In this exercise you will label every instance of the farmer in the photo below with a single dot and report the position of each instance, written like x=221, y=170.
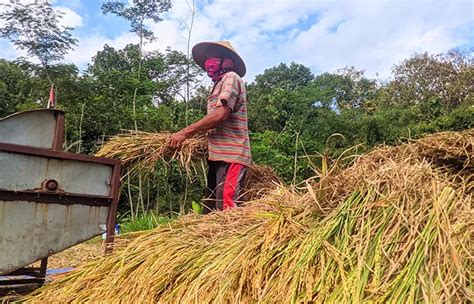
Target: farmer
x=225, y=123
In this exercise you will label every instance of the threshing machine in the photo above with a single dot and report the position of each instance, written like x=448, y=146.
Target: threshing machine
x=50, y=200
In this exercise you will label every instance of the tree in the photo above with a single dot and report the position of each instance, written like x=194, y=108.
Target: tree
x=14, y=87
x=272, y=101
x=435, y=84
x=357, y=91
x=113, y=80
x=181, y=72
x=162, y=79
x=36, y=28
x=285, y=77
x=346, y=89
x=137, y=13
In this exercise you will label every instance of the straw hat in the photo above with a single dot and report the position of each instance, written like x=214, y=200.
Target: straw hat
x=223, y=48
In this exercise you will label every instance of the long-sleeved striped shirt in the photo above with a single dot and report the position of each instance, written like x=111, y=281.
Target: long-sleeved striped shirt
x=229, y=142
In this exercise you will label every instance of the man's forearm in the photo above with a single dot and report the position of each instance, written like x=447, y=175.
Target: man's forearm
x=210, y=121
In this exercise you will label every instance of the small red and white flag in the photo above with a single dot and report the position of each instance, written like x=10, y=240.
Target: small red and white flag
x=52, y=100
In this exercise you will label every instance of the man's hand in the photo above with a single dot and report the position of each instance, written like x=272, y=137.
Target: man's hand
x=210, y=121
x=177, y=139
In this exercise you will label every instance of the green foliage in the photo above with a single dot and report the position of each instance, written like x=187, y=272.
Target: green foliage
x=14, y=87
x=436, y=84
x=274, y=149
x=284, y=77
x=180, y=72
x=146, y=221
x=292, y=124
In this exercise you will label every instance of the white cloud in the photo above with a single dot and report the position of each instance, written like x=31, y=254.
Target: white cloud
x=324, y=35
x=370, y=35
x=91, y=44
x=22, y=1
x=249, y=27
x=376, y=36
x=73, y=4
x=8, y=50
x=70, y=17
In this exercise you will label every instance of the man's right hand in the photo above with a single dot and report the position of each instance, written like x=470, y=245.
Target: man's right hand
x=210, y=121
x=177, y=139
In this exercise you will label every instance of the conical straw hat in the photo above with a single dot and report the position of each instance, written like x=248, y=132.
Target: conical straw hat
x=224, y=48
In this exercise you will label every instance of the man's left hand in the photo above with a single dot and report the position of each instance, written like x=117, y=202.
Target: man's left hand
x=177, y=139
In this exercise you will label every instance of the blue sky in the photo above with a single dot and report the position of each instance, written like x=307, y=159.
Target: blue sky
x=323, y=35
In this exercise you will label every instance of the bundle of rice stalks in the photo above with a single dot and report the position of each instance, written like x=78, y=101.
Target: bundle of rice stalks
x=398, y=231
x=142, y=150
x=451, y=151
x=75, y=256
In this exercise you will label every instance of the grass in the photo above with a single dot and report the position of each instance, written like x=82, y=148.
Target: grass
x=147, y=221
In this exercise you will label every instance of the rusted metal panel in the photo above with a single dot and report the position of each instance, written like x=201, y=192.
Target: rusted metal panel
x=55, y=198
x=37, y=128
x=28, y=172
x=31, y=231
x=58, y=137
x=112, y=217
x=19, y=149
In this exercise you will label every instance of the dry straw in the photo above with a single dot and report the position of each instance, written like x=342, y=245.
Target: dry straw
x=394, y=227
x=142, y=150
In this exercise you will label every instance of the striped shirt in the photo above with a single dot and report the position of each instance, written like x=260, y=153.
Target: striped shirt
x=229, y=142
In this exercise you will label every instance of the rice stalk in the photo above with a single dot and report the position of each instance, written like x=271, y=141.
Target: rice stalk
x=141, y=151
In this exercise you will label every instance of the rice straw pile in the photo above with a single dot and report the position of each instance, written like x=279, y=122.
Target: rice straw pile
x=394, y=227
x=75, y=256
x=259, y=181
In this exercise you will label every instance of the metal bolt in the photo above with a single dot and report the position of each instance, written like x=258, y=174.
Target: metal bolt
x=51, y=185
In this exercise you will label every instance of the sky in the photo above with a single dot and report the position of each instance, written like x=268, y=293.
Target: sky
x=371, y=35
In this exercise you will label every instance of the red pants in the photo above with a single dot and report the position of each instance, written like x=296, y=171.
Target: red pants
x=224, y=185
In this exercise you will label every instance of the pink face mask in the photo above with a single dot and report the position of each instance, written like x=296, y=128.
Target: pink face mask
x=213, y=65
